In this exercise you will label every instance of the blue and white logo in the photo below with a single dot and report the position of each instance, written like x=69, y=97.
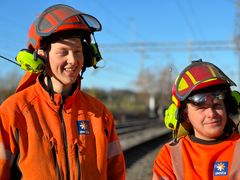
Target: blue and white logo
x=83, y=127
x=220, y=168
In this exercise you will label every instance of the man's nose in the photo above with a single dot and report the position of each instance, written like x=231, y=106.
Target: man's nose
x=211, y=111
x=72, y=58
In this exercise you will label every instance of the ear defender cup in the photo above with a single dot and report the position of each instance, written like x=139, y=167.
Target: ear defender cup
x=96, y=54
x=91, y=54
x=87, y=54
x=170, y=119
x=234, y=102
x=29, y=61
x=231, y=101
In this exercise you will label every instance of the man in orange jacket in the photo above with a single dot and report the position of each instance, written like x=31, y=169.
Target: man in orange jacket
x=206, y=144
x=49, y=128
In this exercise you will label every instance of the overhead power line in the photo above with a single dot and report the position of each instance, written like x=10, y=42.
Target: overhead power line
x=220, y=45
x=169, y=47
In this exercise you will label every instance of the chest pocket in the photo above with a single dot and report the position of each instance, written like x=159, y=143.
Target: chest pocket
x=86, y=135
x=92, y=134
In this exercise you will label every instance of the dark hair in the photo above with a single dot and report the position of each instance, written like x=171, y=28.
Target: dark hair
x=231, y=104
x=83, y=35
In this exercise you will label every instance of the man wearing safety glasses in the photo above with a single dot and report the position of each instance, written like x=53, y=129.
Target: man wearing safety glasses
x=49, y=128
x=206, y=142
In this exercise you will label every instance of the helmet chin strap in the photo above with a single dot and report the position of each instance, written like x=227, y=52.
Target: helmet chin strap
x=49, y=86
x=82, y=71
x=175, y=134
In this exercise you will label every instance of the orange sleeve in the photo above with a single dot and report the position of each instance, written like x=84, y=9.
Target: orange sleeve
x=162, y=167
x=116, y=163
x=4, y=160
x=8, y=147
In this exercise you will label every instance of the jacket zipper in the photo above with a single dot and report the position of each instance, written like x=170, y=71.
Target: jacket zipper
x=56, y=162
x=64, y=137
x=78, y=162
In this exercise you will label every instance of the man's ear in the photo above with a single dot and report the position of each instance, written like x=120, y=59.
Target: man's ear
x=42, y=54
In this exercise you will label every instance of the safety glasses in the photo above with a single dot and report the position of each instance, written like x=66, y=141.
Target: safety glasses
x=202, y=99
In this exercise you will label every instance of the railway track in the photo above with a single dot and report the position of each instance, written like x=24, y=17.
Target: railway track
x=139, y=159
x=136, y=132
x=135, y=125
x=141, y=140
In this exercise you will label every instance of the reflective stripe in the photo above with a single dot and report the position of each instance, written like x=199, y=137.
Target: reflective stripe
x=212, y=71
x=235, y=170
x=177, y=163
x=191, y=77
x=156, y=177
x=114, y=149
x=176, y=156
x=4, y=154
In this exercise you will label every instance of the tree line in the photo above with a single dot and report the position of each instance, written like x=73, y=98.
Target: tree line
x=123, y=103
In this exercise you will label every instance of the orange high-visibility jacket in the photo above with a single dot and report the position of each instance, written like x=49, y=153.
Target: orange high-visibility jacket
x=193, y=159
x=73, y=138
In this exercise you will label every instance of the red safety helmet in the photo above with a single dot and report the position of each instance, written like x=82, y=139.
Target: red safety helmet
x=59, y=18
x=196, y=76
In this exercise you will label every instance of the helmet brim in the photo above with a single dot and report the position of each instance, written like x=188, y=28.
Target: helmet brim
x=59, y=14
x=214, y=76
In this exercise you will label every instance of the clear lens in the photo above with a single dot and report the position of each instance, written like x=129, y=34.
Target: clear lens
x=92, y=22
x=54, y=16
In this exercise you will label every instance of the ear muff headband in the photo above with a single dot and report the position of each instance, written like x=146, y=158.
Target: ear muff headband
x=30, y=62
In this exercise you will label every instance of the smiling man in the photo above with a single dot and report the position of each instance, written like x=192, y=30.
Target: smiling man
x=206, y=144
x=49, y=128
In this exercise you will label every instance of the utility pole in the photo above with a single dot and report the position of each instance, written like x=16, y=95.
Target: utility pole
x=237, y=40
x=142, y=51
x=237, y=37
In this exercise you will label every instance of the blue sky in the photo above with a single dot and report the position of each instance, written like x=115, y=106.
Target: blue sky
x=133, y=21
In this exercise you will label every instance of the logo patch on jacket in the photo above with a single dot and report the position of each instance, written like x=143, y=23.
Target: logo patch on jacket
x=83, y=127
x=220, y=168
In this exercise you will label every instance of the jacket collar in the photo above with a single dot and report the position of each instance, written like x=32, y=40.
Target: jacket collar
x=58, y=99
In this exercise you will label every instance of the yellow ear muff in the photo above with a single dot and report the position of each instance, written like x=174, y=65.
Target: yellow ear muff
x=29, y=62
x=170, y=119
x=236, y=95
x=96, y=54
